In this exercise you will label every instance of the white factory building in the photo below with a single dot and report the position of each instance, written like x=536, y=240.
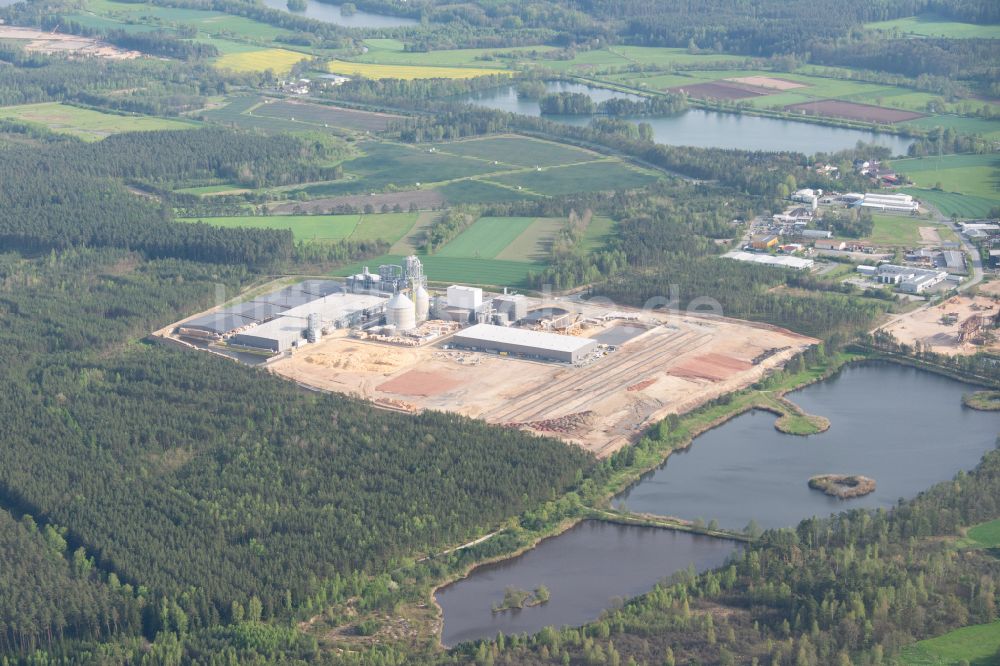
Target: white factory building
x=289, y=329
x=782, y=261
x=469, y=298
x=891, y=203
x=524, y=342
x=908, y=279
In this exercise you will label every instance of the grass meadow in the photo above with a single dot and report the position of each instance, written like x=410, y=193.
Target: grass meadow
x=977, y=645
x=88, y=124
x=407, y=72
x=931, y=25
x=325, y=228
x=896, y=229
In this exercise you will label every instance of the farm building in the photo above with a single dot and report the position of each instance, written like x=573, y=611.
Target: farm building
x=288, y=330
x=783, y=261
x=536, y=344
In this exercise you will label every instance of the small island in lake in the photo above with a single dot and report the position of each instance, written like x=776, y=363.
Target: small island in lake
x=514, y=598
x=844, y=486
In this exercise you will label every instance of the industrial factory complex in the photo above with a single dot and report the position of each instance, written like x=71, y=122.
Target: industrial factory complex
x=586, y=373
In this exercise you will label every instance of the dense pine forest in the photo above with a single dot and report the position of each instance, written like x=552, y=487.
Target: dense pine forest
x=203, y=503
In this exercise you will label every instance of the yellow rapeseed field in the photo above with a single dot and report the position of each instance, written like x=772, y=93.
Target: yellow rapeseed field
x=372, y=71
x=279, y=61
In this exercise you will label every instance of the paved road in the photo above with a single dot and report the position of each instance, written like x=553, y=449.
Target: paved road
x=977, y=264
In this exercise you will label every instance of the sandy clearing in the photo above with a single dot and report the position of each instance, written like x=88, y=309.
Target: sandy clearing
x=929, y=327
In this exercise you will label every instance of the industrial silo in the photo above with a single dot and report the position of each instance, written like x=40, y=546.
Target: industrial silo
x=422, y=301
x=314, y=330
x=401, y=313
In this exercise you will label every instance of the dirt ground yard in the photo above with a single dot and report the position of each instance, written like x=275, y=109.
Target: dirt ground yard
x=932, y=330
x=676, y=364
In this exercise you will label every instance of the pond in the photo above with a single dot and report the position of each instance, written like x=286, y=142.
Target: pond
x=586, y=569
x=329, y=13
x=905, y=428
x=704, y=129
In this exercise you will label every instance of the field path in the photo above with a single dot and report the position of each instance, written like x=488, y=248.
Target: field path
x=409, y=243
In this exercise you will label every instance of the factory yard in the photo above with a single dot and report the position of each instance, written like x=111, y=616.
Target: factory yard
x=940, y=328
x=669, y=363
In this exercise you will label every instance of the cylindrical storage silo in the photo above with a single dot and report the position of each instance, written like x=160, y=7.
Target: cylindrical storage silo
x=422, y=302
x=401, y=313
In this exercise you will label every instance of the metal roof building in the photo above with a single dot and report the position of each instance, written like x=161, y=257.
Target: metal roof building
x=523, y=342
x=335, y=311
x=782, y=261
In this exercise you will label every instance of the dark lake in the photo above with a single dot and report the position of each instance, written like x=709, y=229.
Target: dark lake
x=904, y=427
x=705, y=129
x=585, y=569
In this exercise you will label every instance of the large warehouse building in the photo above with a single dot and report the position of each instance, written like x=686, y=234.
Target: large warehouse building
x=534, y=344
x=289, y=329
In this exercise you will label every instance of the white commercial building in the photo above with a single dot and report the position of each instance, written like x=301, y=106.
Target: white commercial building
x=524, y=342
x=797, y=263
x=908, y=279
x=470, y=298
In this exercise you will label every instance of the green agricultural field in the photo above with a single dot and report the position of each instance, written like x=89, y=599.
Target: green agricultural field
x=590, y=177
x=978, y=645
x=989, y=129
x=213, y=190
x=88, y=124
x=977, y=175
x=931, y=25
x=386, y=164
x=963, y=185
x=535, y=242
x=598, y=234
x=239, y=112
x=483, y=272
x=304, y=227
x=955, y=204
x=518, y=151
x=324, y=228
x=486, y=238
x=896, y=230
x=488, y=58
x=390, y=227
x=476, y=191
x=206, y=22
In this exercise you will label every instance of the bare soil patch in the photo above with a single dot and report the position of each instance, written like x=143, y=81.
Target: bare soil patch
x=929, y=235
x=50, y=43
x=713, y=367
x=720, y=90
x=420, y=383
x=769, y=82
x=868, y=113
